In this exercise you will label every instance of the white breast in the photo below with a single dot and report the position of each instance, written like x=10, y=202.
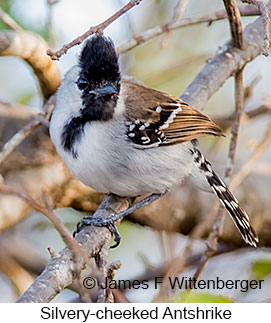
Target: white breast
x=109, y=163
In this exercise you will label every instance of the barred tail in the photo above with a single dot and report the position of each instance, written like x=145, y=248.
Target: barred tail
x=239, y=216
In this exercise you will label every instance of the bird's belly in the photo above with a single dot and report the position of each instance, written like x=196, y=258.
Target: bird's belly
x=126, y=182
x=126, y=171
x=109, y=163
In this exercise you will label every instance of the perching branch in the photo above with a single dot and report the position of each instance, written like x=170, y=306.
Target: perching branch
x=59, y=273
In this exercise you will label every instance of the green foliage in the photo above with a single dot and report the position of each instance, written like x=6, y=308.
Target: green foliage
x=194, y=297
x=197, y=297
x=5, y=5
x=261, y=268
x=25, y=98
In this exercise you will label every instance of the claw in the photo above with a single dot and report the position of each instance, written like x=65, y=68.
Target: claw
x=114, y=231
x=99, y=222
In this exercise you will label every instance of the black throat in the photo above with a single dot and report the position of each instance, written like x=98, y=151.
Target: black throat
x=97, y=110
x=98, y=65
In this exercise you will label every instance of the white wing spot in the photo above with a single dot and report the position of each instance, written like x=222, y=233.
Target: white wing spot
x=158, y=109
x=142, y=127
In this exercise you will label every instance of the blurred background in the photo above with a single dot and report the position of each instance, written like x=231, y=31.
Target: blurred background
x=170, y=68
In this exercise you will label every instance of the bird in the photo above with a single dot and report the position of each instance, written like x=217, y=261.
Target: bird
x=120, y=137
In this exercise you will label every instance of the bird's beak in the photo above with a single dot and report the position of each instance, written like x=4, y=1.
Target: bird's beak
x=107, y=90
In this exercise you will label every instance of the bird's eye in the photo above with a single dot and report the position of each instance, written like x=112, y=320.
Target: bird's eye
x=82, y=83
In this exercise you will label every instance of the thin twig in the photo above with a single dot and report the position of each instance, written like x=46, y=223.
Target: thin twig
x=51, y=215
x=250, y=87
x=235, y=23
x=15, y=140
x=180, y=263
x=178, y=13
x=50, y=27
x=8, y=21
x=257, y=152
x=95, y=29
x=110, y=276
x=266, y=22
x=21, y=135
x=189, y=21
x=239, y=108
x=226, y=121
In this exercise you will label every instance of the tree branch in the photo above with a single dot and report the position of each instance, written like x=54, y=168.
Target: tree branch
x=183, y=22
x=33, y=124
x=95, y=29
x=225, y=63
x=32, y=48
x=8, y=21
x=59, y=273
x=266, y=22
x=178, y=13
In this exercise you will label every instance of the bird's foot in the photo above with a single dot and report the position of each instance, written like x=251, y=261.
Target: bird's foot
x=99, y=222
x=110, y=221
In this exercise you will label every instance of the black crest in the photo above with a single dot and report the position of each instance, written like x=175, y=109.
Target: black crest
x=99, y=61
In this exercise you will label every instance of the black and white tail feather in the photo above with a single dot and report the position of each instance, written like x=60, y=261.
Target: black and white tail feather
x=239, y=216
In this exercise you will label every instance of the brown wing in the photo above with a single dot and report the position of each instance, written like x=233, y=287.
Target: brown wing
x=156, y=118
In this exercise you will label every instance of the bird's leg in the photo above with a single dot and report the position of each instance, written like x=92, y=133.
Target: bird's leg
x=109, y=222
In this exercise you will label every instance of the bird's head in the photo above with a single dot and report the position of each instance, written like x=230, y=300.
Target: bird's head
x=99, y=77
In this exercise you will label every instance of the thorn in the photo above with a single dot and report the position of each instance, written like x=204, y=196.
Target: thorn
x=53, y=253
